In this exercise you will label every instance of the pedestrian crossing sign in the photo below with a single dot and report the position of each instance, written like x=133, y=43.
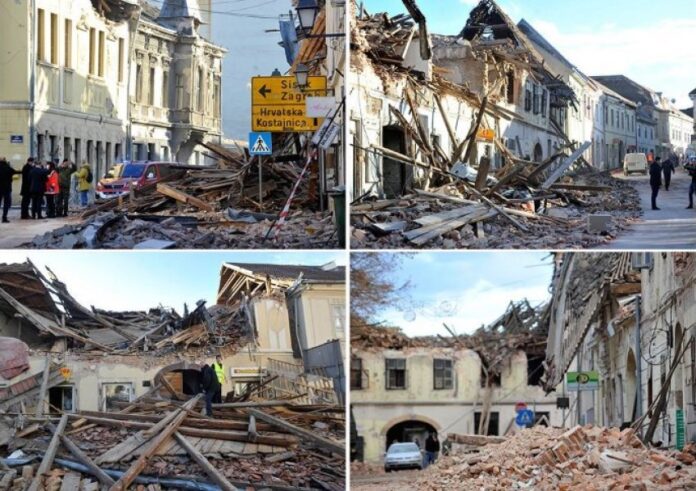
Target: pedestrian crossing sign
x=260, y=143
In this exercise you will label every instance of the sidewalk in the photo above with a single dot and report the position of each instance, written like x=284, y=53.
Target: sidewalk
x=18, y=232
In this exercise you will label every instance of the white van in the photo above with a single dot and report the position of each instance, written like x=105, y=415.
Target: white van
x=635, y=162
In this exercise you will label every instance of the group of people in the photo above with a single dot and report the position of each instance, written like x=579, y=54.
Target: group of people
x=661, y=173
x=45, y=184
x=212, y=378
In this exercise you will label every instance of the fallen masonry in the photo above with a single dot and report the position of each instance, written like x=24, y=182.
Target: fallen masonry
x=208, y=208
x=584, y=458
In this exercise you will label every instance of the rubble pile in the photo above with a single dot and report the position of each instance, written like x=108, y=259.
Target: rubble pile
x=210, y=208
x=249, y=445
x=580, y=459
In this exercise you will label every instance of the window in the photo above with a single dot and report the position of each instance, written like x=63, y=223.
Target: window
x=612, y=117
x=101, y=53
x=511, y=87
x=116, y=395
x=121, y=51
x=179, y=92
x=61, y=397
x=338, y=316
x=396, y=373
x=199, y=100
x=536, y=99
x=544, y=102
x=535, y=369
x=138, y=82
x=165, y=89
x=216, y=98
x=67, y=42
x=442, y=374
x=41, y=35
x=151, y=92
x=92, y=50
x=356, y=374
x=493, y=419
x=54, y=39
x=527, y=99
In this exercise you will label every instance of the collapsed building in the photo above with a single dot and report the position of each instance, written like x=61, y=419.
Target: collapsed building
x=629, y=318
x=464, y=387
x=105, y=383
x=460, y=137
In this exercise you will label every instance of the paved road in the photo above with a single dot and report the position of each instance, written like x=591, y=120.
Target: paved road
x=672, y=227
x=18, y=232
x=401, y=481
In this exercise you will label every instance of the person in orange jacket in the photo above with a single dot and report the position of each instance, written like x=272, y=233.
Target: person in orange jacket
x=52, y=190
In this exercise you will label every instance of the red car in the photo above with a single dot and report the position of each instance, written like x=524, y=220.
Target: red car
x=134, y=175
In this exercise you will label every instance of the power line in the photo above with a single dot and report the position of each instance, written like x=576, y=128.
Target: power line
x=230, y=13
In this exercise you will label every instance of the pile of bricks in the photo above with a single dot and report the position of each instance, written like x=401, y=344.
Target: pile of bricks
x=583, y=458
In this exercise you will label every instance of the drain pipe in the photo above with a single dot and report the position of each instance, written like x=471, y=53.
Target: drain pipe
x=32, y=80
x=639, y=367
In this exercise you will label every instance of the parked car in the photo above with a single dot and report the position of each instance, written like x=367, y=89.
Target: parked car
x=635, y=162
x=134, y=175
x=403, y=456
x=111, y=175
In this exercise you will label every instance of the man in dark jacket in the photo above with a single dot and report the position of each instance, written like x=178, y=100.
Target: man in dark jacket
x=6, y=175
x=26, y=185
x=37, y=188
x=432, y=449
x=691, y=169
x=655, y=181
x=667, y=171
x=210, y=386
x=65, y=170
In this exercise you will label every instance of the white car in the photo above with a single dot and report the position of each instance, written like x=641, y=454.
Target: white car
x=635, y=162
x=403, y=456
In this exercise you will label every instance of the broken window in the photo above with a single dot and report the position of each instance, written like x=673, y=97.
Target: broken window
x=61, y=398
x=114, y=394
x=492, y=379
x=356, y=372
x=442, y=374
x=396, y=373
x=535, y=369
x=511, y=87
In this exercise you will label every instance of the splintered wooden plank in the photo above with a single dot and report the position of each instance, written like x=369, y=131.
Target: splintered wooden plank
x=216, y=476
x=444, y=216
x=565, y=165
x=183, y=197
x=71, y=482
x=50, y=454
x=438, y=230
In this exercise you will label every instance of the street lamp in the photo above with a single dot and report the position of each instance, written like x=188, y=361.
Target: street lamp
x=307, y=11
x=302, y=75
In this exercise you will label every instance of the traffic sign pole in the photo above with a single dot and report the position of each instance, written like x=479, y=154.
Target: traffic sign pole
x=260, y=183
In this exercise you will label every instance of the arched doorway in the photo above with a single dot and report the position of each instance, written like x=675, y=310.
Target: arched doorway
x=409, y=431
x=630, y=387
x=538, y=153
x=183, y=377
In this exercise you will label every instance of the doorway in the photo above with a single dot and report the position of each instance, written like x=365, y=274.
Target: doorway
x=396, y=176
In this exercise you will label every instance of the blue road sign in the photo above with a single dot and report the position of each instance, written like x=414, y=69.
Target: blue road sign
x=525, y=417
x=16, y=139
x=260, y=144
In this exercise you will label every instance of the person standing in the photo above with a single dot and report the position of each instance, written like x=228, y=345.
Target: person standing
x=65, y=172
x=667, y=171
x=25, y=190
x=37, y=188
x=691, y=169
x=7, y=174
x=655, y=181
x=210, y=386
x=432, y=449
x=84, y=181
x=220, y=374
x=52, y=190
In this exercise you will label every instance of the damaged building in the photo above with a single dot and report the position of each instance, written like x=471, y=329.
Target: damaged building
x=629, y=318
x=464, y=387
x=455, y=138
x=114, y=375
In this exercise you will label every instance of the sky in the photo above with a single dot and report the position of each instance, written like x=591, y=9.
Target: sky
x=467, y=289
x=136, y=280
x=240, y=27
x=649, y=41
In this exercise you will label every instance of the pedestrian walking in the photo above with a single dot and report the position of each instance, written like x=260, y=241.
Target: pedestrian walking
x=655, y=181
x=667, y=171
x=37, y=188
x=210, y=385
x=691, y=169
x=65, y=171
x=84, y=182
x=432, y=449
x=220, y=374
x=52, y=190
x=7, y=174
x=25, y=190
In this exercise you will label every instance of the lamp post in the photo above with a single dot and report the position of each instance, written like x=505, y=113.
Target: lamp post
x=307, y=12
x=302, y=75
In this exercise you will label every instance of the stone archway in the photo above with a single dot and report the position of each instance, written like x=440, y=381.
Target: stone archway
x=407, y=429
x=183, y=377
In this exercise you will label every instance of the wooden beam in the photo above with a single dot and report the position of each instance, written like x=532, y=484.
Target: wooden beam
x=565, y=165
x=169, y=191
x=103, y=477
x=50, y=454
x=216, y=476
x=321, y=442
x=44, y=387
